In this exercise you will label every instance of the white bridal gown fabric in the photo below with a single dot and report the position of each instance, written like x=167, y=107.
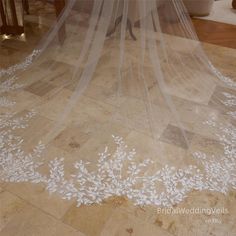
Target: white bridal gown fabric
x=103, y=115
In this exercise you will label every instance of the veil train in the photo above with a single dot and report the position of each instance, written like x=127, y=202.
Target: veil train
x=128, y=104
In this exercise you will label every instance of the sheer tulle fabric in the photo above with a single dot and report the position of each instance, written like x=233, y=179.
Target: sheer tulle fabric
x=128, y=108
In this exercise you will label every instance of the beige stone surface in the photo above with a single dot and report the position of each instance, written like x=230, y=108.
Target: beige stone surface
x=89, y=219
x=10, y=206
x=34, y=222
x=122, y=223
x=38, y=196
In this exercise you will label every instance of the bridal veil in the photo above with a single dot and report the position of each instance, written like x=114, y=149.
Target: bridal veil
x=119, y=99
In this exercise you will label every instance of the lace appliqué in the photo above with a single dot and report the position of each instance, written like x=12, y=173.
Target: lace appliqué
x=223, y=78
x=230, y=101
x=7, y=86
x=119, y=174
x=20, y=66
x=15, y=164
x=116, y=173
x=10, y=84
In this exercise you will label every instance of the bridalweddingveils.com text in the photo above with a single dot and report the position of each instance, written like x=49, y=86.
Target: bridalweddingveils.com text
x=192, y=211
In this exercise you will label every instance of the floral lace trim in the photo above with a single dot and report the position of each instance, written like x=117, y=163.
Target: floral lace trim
x=10, y=84
x=230, y=101
x=20, y=66
x=4, y=102
x=118, y=173
x=223, y=78
x=7, y=86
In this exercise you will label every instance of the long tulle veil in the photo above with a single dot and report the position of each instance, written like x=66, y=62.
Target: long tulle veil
x=127, y=104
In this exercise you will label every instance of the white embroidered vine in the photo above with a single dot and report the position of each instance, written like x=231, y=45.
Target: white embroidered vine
x=223, y=78
x=15, y=164
x=20, y=66
x=5, y=102
x=116, y=173
x=119, y=174
x=230, y=101
x=7, y=86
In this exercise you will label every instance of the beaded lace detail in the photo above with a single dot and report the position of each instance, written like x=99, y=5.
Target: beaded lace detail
x=116, y=173
x=21, y=66
x=230, y=101
x=228, y=81
x=8, y=86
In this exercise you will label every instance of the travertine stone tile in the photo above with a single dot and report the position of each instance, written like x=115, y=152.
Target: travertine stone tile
x=40, y=88
x=31, y=76
x=172, y=155
x=69, y=161
x=203, y=223
x=90, y=220
x=105, y=77
x=72, y=47
x=96, y=109
x=193, y=85
x=36, y=131
x=188, y=113
x=8, y=54
x=38, y=196
x=34, y=222
x=24, y=99
x=145, y=144
x=160, y=153
x=103, y=94
x=14, y=44
x=206, y=145
x=61, y=74
x=56, y=105
x=176, y=136
x=122, y=223
x=144, y=213
x=145, y=148
x=2, y=186
x=46, y=63
x=219, y=97
x=72, y=138
x=207, y=114
x=100, y=140
x=10, y=206
x=223, y=59
x=138, y=115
